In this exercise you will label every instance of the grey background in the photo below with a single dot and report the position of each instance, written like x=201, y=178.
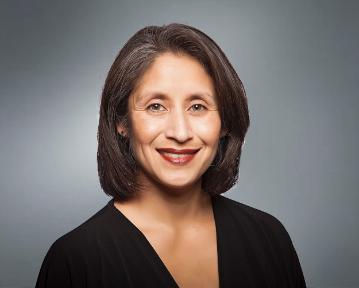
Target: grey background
x=299, y=64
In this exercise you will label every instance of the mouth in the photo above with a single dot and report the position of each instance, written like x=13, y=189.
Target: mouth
x=177, y=157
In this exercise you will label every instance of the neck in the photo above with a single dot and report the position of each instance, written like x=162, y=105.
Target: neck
x=170, y=206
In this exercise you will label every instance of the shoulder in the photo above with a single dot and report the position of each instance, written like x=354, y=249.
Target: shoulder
x=257, y=224
x=81, y=243
x=86, y=233
x=94, y=235
x=264, y=235
x=77, y=255
x=243, y=212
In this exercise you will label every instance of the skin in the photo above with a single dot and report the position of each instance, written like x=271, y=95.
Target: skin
x=173, y=212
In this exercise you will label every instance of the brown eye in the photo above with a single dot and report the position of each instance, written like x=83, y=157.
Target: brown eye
x=199, y=107
x=155, y=107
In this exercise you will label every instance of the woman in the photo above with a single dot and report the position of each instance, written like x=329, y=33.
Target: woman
x=173, y=119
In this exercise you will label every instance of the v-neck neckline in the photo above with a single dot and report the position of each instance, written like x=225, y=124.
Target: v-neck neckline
x=156, y=255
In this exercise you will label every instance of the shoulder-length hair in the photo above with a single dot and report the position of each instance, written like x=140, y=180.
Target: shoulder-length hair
x=117, y=168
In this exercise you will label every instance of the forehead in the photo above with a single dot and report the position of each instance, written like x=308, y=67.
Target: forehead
x=172, y=74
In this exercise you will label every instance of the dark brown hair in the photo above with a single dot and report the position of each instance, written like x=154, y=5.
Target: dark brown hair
x=117, y=167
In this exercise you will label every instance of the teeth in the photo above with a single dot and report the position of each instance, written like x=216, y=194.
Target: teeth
x=174, y=155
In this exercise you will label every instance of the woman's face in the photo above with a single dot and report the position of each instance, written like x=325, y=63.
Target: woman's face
x=174, y=106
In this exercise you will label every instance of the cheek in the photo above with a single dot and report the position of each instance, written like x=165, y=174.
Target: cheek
x=208, y=128
x=144, y=128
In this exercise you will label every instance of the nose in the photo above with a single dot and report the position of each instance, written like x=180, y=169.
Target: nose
x=178, y=127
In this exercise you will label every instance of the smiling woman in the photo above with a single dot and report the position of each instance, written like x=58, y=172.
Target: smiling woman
x=200, y=73
x=173, y=119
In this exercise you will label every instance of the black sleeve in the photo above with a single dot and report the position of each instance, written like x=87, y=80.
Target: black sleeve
x=297, y=273
x=290, y=258
x=54, y=270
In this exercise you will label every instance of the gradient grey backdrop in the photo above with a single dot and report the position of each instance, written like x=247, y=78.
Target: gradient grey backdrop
x=299, y=64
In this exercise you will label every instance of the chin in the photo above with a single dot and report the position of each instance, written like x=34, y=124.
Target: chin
x=178, y=184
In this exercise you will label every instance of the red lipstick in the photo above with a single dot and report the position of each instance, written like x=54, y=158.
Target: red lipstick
x=177, y=156
x=177, y=151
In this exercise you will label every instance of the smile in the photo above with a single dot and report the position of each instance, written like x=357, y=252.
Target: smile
x=176, y=158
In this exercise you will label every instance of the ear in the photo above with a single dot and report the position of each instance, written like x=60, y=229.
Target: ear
x=121, y=129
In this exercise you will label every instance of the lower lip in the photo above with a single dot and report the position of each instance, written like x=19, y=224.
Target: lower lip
x=179, y=161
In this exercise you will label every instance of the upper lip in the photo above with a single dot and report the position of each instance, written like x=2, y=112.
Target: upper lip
x=177, y=151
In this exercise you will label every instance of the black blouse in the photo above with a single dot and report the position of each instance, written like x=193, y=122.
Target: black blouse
x=108, y=250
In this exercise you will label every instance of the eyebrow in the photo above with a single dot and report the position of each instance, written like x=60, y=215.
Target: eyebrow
x=163, y=96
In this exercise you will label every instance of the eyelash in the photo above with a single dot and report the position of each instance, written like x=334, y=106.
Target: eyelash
x=152, y=105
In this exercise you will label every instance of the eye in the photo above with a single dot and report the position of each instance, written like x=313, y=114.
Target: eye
x=202, y=107
x=155, y=106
